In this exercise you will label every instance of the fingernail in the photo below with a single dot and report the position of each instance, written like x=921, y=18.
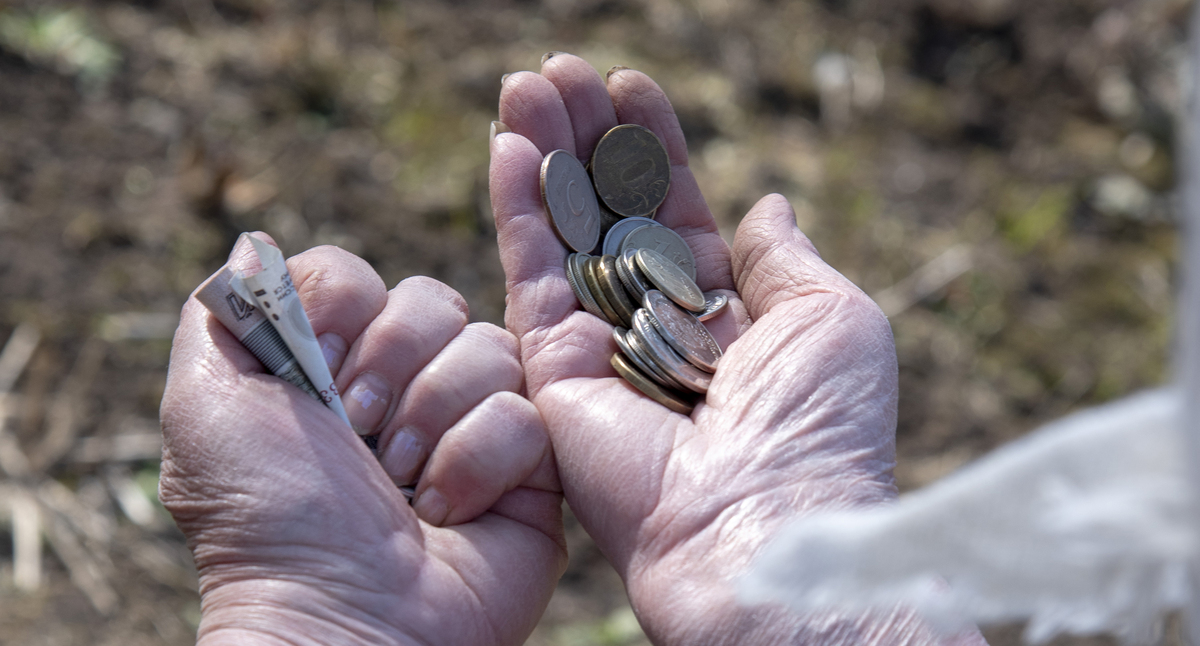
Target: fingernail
x=504, y=78
x=613, y=70
x=549, y=55
x=366, y=402
x=402, y=458
x=431, y=507
x=498, y=128
x=333, y=348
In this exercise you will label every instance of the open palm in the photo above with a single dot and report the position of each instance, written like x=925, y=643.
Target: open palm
x=800, y=415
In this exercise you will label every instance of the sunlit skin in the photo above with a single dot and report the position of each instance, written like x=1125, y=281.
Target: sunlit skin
x=299, y=534
x=800, y=417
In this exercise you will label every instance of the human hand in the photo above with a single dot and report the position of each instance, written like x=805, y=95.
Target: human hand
x=800, y=416
x=300, y=536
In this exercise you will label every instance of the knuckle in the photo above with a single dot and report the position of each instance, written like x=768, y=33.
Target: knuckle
x=499, y=343
x=424, y=287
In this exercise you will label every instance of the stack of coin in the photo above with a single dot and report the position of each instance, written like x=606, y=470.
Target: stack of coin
x=656, y=310
x=641, y=278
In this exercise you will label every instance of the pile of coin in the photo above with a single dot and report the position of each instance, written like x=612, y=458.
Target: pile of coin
x=641, y=276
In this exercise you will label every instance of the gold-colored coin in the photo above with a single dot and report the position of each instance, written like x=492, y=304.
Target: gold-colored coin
x=648, y=387
x=614, y=291
x=631, y=170
x=591, y=278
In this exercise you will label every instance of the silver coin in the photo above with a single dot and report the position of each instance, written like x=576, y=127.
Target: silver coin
x=616, y=235
x=670, y=280
x=621, y=336
x=664, y=241
x=571, y=200
x=640, y=348
x=631, y=277
x=682, y=331
x=579, y=286
x=714, y=304
x=666, y=358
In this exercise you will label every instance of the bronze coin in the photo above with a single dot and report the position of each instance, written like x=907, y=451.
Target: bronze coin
x=631, y=171
x=591, y=278
x=614, y=291
x=648, y=387
x=571, y=201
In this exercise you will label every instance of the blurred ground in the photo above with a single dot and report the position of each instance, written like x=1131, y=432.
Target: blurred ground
x=998, y=173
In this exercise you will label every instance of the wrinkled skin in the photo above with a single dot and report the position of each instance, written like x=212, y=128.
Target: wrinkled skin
x=800, y=417
x=300, y=535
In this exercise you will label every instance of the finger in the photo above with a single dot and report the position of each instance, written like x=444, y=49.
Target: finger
x=529, y=251
x=524, y=550
x=832, y=332
x=222, y=419
x=341, y=294
x=531, y=106
x=539, y=297
x=612, y=444
x=588, y=104
x=421, y=316
x=491, y=451
x=773, y=262
x=639, y=100
x=479, y=362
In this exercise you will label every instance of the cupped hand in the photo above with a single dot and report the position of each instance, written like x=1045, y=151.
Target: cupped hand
x=300, y=535
x=800, y=416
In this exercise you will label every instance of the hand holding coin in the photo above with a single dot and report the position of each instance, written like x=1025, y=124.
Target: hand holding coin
x=300, y=535
x=799, y=415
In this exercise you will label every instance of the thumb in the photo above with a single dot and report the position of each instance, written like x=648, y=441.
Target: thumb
x=773, y=262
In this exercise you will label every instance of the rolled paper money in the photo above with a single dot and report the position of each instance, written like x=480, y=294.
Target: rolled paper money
x=273, y=292
x=252, y=328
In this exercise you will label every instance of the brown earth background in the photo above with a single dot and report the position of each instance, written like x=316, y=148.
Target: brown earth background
x=997, y=173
